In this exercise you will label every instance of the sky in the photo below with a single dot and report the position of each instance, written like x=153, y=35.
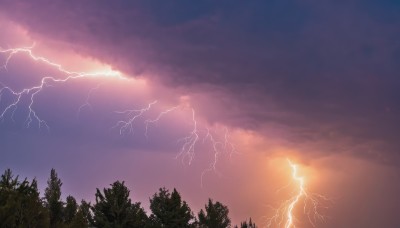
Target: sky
x=249, y=84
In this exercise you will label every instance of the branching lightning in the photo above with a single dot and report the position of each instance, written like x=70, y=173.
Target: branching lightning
x=218, y=148
x=228, y=145
x=125, y=126
x=32, y=92
x=189, y=142
x=148, y=122
x=312, y=203
x=87, y=103
x=217, y=152
x=301, y=192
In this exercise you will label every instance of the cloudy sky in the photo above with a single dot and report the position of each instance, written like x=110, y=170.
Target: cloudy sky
x=258, y=82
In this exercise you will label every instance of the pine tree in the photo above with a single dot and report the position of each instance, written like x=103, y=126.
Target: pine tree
x=71, y=208
x=216, y=215
x=249, y=224
x=20, y=205
x=52, y=196
x=113, y=208
x=82, y=216
x=170, y=211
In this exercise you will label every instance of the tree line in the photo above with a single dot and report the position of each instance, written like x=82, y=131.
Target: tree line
x=22, y=206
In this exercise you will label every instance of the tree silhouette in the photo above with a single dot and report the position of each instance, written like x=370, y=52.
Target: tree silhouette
x=52, y=196
x=113, y=208
x=71, y=208
x=216, y=215
x=81, y=217
x=20, y=205
x=246, y=224
x=170, y=211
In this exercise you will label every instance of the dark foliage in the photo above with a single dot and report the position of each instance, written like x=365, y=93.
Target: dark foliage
x=53, y=201
x=170, y=211
x=216, y=215
x=246, y=224
x=113, y=208
x=21, y=206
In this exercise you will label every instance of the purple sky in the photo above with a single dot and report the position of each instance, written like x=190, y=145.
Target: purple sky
x=312, y=81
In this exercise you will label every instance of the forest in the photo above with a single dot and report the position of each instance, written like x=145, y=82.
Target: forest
x=21, y=205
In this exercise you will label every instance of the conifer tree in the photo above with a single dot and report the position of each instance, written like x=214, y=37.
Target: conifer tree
x=20, y=205
x=246, y=224
x=53, y=202
x=215, y=215
x=71, y=208
x=82, y=216
x=113, y=208
x=170, y=211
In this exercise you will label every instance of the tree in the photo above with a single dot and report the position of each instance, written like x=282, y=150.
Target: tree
x=216, y=215
x=246, y=224
x=20, y=205
x=82, y=216
x=113, y=208
x=71, y=208
x=53, y=203
x=170, y=211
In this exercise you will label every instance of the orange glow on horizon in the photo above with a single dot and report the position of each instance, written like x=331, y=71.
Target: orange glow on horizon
x=313, y=205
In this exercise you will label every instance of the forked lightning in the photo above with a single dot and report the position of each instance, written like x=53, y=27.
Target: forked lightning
x=312, y=203
x=125, y=125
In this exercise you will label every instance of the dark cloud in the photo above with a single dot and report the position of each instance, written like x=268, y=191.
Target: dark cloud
x=329, y=70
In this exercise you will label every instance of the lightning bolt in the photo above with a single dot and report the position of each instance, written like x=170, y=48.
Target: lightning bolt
x=74, y=74
x=189, y=142
x=217, y=152
x=301, y=192
x=46, y=81
x=228, y=146
x=126, y=126
x=18, y=95
x=130, y=116
x=87, y=103
x=312, y=203
x=148, y=122
x=218, y=148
